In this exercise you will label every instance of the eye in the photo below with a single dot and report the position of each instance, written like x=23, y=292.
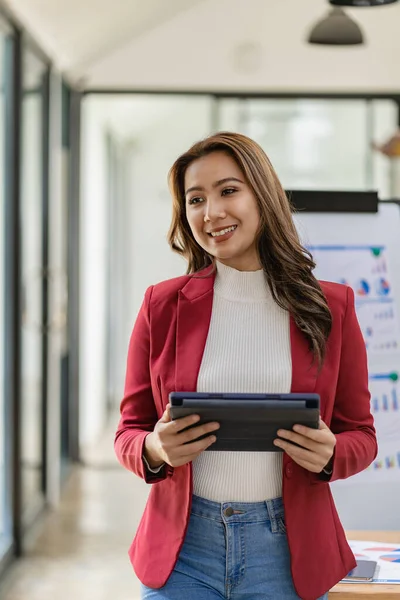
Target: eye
x=228, y=191
x=195, y=200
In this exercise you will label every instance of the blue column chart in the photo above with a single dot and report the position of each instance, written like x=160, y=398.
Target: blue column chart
x=385, y=407
x=365, y=269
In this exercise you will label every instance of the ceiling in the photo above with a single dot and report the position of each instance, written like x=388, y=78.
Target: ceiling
x=78, y=33
x=237, y=45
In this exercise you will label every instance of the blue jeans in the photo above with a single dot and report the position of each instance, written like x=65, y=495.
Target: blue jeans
x=232, y=551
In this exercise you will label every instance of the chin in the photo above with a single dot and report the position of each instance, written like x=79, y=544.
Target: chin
x=224, y=255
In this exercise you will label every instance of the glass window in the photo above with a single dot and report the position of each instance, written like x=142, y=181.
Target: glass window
x=2, y=296
x=59, y=280
x=318, y=144
x=385, y=118
x=32, y=435
x=313, y=144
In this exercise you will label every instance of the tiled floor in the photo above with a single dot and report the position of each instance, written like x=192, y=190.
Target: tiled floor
x=81, y=552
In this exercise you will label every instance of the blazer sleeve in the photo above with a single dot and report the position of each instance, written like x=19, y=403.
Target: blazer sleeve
x=352, y=421
x=138, y=411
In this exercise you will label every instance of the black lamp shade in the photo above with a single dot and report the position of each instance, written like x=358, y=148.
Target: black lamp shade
x=360, y=3
x=337, y=29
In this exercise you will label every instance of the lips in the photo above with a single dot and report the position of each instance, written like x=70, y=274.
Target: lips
x=221, y=235
x=220, y=231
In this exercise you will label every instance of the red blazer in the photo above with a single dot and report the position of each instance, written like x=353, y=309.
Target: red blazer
x=165, y=354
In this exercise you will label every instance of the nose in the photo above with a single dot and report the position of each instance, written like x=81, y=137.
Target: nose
x=213, y=212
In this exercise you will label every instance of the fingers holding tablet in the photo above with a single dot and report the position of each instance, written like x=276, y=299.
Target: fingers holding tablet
x=178, y=442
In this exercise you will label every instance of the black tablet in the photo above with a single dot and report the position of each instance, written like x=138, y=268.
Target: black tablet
x=364, y=571
x=248, y=422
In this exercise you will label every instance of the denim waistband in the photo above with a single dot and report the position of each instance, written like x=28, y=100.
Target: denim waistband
x=238, y=512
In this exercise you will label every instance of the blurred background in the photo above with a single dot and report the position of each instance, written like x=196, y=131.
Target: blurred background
x=97, y=99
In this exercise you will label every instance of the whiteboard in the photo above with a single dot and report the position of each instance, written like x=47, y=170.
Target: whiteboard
x=369, y=500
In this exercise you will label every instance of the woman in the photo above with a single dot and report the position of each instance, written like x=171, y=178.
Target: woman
x=248, y=317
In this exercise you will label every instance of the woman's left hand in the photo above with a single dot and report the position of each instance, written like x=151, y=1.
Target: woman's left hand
x=317, y=446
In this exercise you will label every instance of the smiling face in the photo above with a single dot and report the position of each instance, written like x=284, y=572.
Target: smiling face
x=222, y=211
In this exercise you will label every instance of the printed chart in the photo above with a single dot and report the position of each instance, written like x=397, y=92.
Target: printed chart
x=387, y=557
x=365, y=269
x=385, y=407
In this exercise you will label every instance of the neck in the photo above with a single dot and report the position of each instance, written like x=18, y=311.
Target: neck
x=245, y=264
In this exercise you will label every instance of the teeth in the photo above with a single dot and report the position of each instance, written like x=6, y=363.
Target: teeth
x=223, y=231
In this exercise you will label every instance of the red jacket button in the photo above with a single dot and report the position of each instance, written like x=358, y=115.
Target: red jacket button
x=289, y=470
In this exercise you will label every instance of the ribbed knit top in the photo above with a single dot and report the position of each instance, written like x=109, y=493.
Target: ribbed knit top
x=247, y=350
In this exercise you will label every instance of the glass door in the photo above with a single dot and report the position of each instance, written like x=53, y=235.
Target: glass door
x=61, y=281
x=5, y=433
x=33, y=232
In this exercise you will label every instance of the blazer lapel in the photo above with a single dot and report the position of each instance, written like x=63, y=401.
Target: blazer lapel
x=304, y=370
x=193, y=320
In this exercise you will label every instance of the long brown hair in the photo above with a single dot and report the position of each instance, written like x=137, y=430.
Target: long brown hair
x=287, y=264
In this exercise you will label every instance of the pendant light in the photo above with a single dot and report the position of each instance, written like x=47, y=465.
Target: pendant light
x=361, y=3
x=337, y=29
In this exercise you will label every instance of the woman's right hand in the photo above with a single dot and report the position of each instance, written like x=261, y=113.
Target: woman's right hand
x=168, y=443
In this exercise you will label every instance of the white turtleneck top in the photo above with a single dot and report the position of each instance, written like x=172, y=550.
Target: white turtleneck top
x=247, y=350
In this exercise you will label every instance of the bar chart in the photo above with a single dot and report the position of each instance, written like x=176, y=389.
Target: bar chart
x=387, y=462
x=385, y=407
x=385, y=393
x=386, y=402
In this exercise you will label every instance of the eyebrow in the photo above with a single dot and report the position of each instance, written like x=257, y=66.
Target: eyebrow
x=199, y=188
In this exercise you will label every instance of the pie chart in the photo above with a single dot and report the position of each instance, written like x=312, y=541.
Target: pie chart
x=394, y=558
x=363, y=287
x=382, y=287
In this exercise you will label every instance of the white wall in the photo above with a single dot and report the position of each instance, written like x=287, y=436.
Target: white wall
x=253, y=45
x=92, y=388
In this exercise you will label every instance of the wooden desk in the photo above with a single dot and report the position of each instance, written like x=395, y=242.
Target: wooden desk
x=362, y=591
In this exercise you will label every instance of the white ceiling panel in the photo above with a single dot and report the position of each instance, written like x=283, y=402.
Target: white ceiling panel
x=261, y=45
x=237, y=45
x=77, y=33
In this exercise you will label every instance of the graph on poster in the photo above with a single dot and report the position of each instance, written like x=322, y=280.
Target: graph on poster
x=365, y=269
x=362, y=249
x=385, y=394
x=385, y=406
